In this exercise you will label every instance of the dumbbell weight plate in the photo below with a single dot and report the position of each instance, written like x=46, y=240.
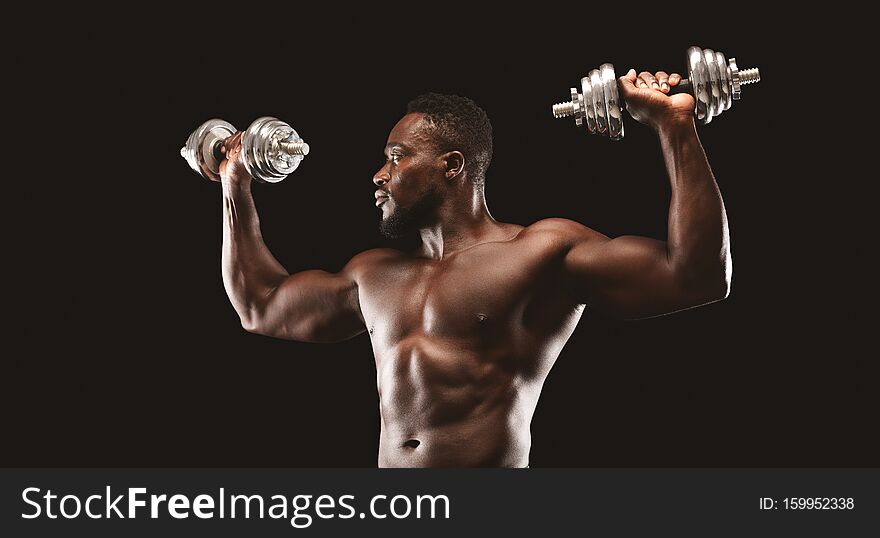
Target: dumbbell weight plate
x=199, y=150
x=284, y=162
x=599, y=101
x=698, y=76
x=726, y=98
x=714, y=82
x=254, y=144
x=581, y=109
x=589, y=107
x=612, y=102
x=263, y=158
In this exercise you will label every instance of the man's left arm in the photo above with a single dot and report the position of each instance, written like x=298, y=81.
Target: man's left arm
x=633, y=277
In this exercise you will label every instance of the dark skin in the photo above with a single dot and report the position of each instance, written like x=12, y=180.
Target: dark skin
x=466, y=328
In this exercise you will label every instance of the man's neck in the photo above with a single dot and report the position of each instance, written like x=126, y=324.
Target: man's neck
x=461, y=225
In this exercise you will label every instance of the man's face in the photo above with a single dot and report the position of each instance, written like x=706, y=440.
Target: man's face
x=411, y=178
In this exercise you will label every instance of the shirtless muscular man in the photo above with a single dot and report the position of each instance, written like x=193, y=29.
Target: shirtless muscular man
x=466, y=327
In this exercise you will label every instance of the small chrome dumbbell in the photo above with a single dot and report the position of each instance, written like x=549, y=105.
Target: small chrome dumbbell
x=271, y=149
x=714, y=82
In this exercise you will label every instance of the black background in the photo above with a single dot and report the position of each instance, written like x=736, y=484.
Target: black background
x=131, y=354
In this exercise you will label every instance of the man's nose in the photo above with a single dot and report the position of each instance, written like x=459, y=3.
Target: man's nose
x=381, y=177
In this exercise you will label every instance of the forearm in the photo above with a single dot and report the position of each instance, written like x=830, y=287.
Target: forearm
x=250, y=272
x=698, y=239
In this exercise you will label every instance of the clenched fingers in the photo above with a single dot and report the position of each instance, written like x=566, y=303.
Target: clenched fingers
x=232, y=145
x=647, y=80
x=661, y=80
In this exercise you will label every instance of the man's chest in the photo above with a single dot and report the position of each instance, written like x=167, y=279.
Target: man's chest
x=477, y=294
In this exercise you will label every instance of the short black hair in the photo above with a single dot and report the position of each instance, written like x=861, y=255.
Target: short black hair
x=458, y=124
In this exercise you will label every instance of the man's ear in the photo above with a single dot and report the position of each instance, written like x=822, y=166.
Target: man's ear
x=454, y=161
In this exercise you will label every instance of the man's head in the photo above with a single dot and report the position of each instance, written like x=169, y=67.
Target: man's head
x=440, y=148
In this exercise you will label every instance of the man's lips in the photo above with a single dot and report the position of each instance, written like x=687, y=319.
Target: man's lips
x=381, y=198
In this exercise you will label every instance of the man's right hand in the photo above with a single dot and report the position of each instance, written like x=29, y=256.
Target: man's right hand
x=232, y=170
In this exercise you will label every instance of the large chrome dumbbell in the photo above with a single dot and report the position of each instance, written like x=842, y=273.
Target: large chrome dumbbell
x=714, y=82
x=271, y=149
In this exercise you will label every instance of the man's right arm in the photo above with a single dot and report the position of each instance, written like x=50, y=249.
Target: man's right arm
x=309, y=306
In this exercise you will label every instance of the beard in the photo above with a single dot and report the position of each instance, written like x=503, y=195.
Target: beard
x=405, y=221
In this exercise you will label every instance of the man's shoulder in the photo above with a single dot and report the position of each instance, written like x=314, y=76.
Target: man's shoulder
x=561, y=230
x=373, y=257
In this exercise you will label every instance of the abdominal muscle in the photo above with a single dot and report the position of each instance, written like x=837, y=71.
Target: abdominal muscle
x=442, y=404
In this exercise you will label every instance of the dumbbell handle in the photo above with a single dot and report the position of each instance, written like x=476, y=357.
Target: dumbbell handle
x=682, y=86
